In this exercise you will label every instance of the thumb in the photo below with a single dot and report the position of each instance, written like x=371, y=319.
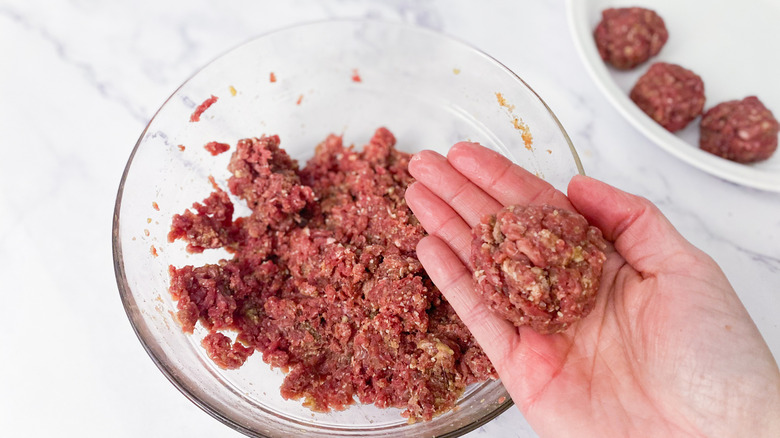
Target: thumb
x=640, y=232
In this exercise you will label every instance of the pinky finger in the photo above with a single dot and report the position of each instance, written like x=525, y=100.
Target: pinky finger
x=494, y=334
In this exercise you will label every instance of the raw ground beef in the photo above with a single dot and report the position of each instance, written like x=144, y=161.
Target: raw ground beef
x=216, y=148
x=670, y=95
x=325, y=281
x=538, y=266
x=228, y=355
x=627, y=37
x=200, y=109
x=744, y=131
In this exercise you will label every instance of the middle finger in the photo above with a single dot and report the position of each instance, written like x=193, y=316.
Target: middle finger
x=440, y=220
x=469, y=201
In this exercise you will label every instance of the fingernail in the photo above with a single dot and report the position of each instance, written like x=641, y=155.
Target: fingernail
x=425, y=166
x=465, y=144
x=461, y=160
x=426, y=155
x=431, y=155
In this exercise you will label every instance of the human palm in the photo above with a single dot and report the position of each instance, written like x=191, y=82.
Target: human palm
x=667, y=350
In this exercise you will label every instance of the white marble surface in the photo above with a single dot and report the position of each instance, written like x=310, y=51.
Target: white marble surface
x=79, y=80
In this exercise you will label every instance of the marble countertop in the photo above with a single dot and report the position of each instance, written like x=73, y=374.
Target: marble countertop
x=81, y=78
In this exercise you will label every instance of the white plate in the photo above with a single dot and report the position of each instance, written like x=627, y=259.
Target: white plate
x=733, y=46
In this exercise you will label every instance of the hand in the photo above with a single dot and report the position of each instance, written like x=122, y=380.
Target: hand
x=668, y=350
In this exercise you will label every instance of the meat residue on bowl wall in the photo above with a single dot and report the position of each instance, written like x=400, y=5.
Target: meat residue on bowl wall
x=216, y=148
x=195, y=117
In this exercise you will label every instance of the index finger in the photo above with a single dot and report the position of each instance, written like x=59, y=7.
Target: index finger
x=502, y=179
x=497, y=336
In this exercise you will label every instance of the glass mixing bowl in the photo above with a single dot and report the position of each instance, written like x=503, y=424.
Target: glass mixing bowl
x=346, y=77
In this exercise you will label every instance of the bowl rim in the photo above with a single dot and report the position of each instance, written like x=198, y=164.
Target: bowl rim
x=119, y=267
